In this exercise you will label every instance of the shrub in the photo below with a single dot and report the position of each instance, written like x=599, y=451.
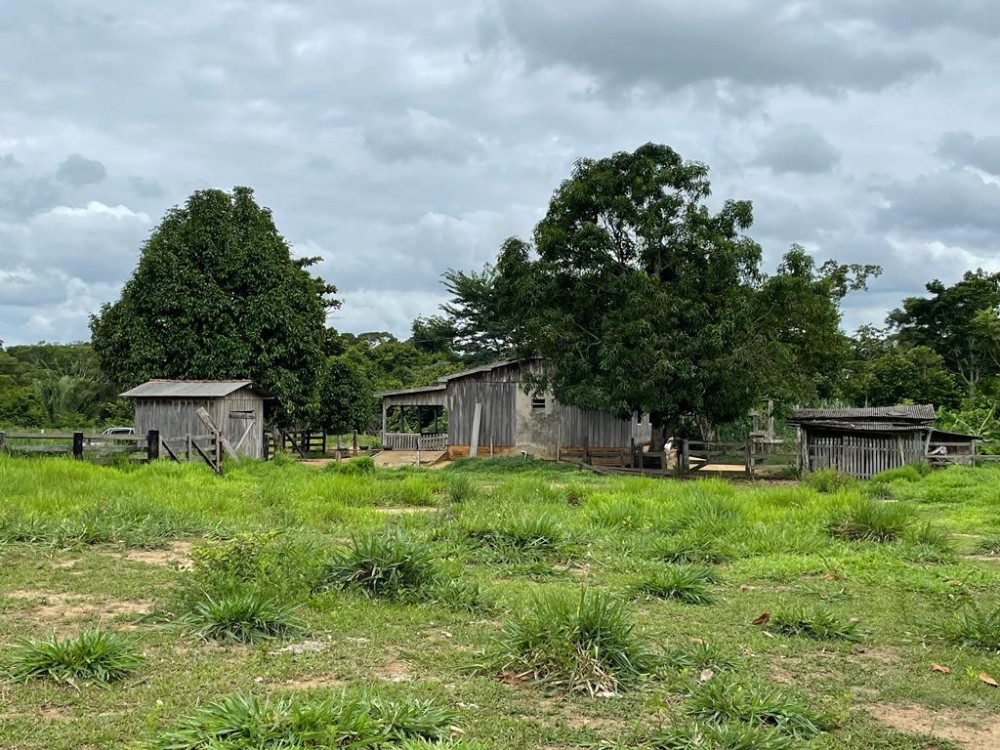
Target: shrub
x=384, y=566
x=869, y=520
x=723, y=700
x=93, y=656
x=245, y=616
x=971, y=627
x=246, y=721
x=907, y=473
x=819, y=623
x=583, y=643
x=683, y=583
x=828, y=481
x=721, y=737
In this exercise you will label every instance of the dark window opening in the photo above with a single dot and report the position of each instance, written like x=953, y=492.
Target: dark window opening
x=538, y=402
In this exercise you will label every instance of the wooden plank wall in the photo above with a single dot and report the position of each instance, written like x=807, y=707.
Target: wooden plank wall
x=496, y=390
x=177, y=417
x=862, y=455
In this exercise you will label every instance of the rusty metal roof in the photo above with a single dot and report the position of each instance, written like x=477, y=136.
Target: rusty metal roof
x=192, y=389
x=887, y=414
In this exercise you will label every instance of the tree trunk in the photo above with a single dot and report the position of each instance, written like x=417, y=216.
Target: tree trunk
x=658, y=432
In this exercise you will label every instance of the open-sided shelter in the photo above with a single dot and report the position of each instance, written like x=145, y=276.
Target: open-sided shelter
x=491, y=410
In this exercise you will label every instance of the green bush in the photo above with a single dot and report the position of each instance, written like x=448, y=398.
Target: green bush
x=683, y=583
x=247, y=722
x=384, y=566
x=907, y=473
x=870, y=520
x=584, y=643
x=93, y=656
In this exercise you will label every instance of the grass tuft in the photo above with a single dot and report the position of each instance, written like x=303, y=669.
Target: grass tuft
x=245, y=721
x=521, y=536
x=988, y=546
x=819, y=623
x=245, y=616
x=870, y=520
x=828, y=481
x=697, y=657
x=721, y=700
x=971, y=627
x=583, y=643
x=689, y=548
x=683, y=583
x=384, y=566
x=731, y=736
x=93, y=656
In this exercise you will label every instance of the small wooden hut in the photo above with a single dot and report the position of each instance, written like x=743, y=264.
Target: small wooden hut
x=172, y=408
x=488, y=411
x=864, y=441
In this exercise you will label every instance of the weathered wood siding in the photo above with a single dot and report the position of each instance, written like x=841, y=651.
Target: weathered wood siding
x=861, y=454
x=496, y=390
x=177, y=417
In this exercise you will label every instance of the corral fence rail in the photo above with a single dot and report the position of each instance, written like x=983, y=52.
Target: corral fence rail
x=82, y=446
x=411, y=441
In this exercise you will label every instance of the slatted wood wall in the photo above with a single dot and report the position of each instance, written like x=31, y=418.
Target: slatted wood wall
x=862, y=455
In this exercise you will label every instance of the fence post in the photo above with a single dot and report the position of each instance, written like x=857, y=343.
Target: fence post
x=153, y=445
x=77, y=445
x=750, y=458
x=188, y=451
x=3, y=440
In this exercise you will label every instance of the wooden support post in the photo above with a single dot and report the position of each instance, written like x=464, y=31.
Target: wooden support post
x=477, y=420
x=586, y=449
x=749, y=458
x=153, y=445
x=187, y=452
x=78, y=445
x=3, y=440
x=631, y=453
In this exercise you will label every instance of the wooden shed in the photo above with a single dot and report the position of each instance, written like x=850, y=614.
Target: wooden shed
x=863, y=441
x=488, y=411
x=171, y=407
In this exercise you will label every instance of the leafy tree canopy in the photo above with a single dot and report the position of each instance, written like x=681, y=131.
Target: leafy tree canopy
x=959, y=322
x=217, y=294
x=640, y=297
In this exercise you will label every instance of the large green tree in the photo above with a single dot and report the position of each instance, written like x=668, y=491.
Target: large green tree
x=797, y=326
x=640, y=297
x=958, y=322
x=217, y=294
x=346, y=401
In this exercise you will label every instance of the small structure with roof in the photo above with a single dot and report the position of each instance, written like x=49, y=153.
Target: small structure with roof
x=172, y=408
x=865, y=441
x=491, y=410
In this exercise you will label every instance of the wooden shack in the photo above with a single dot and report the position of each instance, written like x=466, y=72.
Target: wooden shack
x=491, y=410
x=863, y=441
x=172, y=408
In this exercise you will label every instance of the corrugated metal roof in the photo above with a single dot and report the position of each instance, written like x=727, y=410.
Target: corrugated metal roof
x=844, y=425
x=477, y=370
x=191, y=389
x=908, y=412
x=407, y=391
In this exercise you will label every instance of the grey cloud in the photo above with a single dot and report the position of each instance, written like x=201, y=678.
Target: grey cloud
x=420, y=135
x=953, y=205
x=9, y=162
x=964, y=150
x=147, y=187
x=80, y=171
x=978, y=16
x=674, y=44
x=797, y=148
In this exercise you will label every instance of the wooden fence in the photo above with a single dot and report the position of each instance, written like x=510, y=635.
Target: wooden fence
x=407, y=441
x=207, y=448
x=81, y=446
x=302, y=443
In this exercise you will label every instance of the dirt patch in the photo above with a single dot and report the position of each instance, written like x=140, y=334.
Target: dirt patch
x=46, y=606
x=982, y=558
x=395, y=670
x=313, y=682
x=177, y=555
x=420, y=509
x=64, y=564
x=956, y=726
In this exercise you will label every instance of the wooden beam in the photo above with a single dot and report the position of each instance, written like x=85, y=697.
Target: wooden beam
x=477, y=418
x=207, y=420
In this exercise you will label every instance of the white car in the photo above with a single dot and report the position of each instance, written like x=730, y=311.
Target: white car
x=119, y=431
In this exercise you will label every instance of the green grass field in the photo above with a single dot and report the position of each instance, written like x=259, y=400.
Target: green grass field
x=494, y=604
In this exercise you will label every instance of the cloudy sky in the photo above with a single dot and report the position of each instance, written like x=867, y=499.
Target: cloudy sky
x=398, y=139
